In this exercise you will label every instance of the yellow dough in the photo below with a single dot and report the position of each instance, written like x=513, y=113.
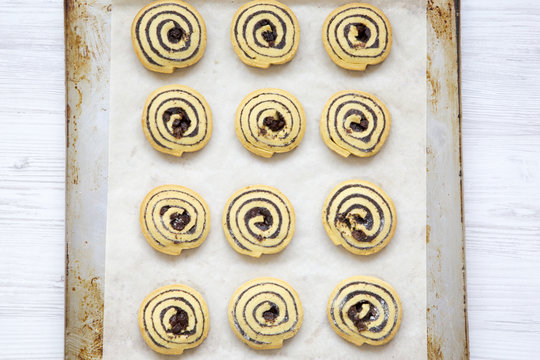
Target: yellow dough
x=258, y=220
x=264, y=33
x=177, y=119
x=174, y=318
x=364, y=309
x=168, y=34
x=355, y=122
x=359, y=216
x=174, y=218
x=356, y=35
x=270, y=121
x=264, y=312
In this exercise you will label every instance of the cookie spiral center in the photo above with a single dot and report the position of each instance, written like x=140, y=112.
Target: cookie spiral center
x=179, y=321
x=180, y=121
x=175, y=34
x=359, y=123
x=271, y=314
x=269, y=33
x=361, y=314
x=179, y=221
x=275, y=123
x=362, y=33
x=263, y=216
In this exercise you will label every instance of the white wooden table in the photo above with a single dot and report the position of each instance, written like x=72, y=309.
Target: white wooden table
x=501, y=146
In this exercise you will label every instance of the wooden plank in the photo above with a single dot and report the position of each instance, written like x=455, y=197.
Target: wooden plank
x=32, y=176
x=501, y=143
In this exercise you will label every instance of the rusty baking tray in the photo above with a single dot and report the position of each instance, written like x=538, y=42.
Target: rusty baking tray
x=87, y=36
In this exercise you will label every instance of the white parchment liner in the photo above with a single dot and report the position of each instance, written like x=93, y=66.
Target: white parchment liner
x=311, y=263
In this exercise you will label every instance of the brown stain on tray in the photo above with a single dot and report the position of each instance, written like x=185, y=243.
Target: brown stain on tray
x=434, y=83
x=434, y=348
x=443, y=85
x=87, y=54
x=441, y=18
x=84, y=338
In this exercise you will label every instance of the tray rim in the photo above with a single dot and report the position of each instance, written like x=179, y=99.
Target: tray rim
x=88, y=70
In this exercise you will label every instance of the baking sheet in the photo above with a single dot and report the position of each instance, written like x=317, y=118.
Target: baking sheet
x=311, y=263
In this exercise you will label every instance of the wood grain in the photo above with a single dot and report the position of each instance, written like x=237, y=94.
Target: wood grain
x=32, y=146
x=501, y=152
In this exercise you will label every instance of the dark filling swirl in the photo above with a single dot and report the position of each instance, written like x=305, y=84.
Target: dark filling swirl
x=181, y=121
x=174, y=35
x=179, y=300
x=363, y=323
x=362, y=33
x=270, y=36
x=263, y=225
x=358, y=106
x=350, y=218
x=179, y=219
x=269, y=316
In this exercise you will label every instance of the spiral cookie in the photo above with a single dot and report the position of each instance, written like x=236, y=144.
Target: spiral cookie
x=359, y=216
x=264, y=33
x=355, y=122
x=173, y=318
x=270, y=121
x=258, y=220
x=364, y=309
x=265, y=311
x=168, y=34
x=356, y=35
x=177, y=119
x=174, y=218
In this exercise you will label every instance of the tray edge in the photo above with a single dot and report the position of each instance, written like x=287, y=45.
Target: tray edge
x=85, y=61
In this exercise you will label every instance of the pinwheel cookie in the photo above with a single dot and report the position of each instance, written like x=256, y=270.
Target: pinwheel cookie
x=174, y=318
x=356, y=35
x=174, y=218
x=258, y=220
x=168, y=34
x=355, y=122
x=359, y=216
x=270, y=121
x=177, y=119
x=364, y=309
x=264, y=33
x=264, y=312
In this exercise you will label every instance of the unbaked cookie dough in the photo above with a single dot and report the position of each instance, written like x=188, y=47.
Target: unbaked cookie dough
x=264, y=33
x=174, y=218
x=168, y=34
x=174, y=318
x=270, y=121
x=356, y=35
x=264, y=312
x=359, y=216
x=364, y=309
x=355, y=122
x=258, y=220
x=177, y=119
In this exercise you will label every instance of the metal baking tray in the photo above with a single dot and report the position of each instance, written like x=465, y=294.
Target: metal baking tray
x=87, y=40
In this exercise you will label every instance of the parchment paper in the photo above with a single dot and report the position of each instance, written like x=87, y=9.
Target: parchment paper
x=311, y=263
